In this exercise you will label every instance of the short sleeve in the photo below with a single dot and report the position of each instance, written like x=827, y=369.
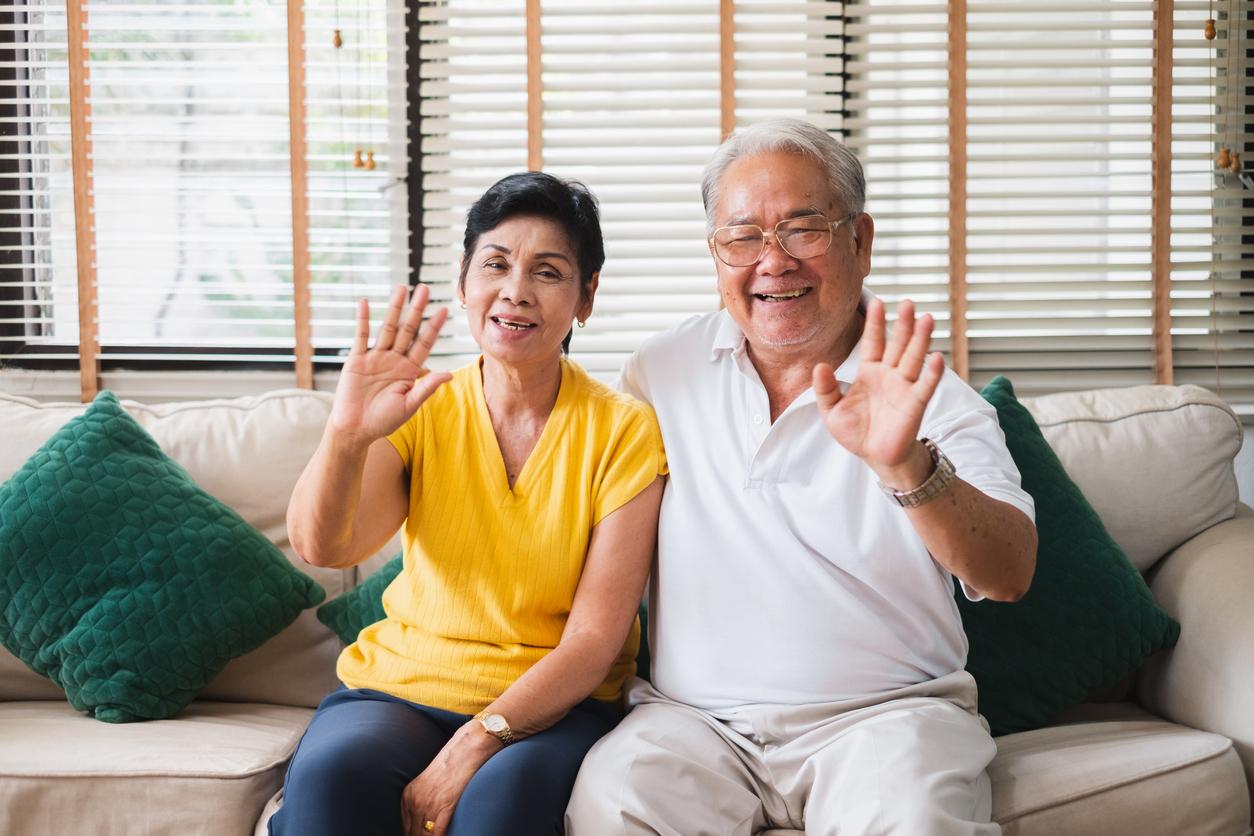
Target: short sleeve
x=964, y=425
x=406, y=439
x=634, y=458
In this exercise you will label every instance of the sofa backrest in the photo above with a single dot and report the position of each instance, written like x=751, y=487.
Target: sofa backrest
x=1154, y=461
x=247, y=452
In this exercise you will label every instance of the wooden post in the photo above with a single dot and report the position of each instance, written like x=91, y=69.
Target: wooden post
x=727, y=67
x=959, y=349
x=84, y=201
x=301, y=296
x=1160, y=236
x=535, y=103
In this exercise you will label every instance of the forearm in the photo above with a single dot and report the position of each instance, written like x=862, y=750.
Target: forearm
x=538, y=699
x=989, y=544
x=322, y=514
x=555, y=684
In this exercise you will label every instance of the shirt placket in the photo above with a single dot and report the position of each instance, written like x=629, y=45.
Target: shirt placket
x=756, y=421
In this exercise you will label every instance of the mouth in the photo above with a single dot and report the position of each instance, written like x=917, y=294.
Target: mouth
x=512, y=324
x=783, y=295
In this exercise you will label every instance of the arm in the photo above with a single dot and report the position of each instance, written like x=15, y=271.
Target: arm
x=988, y=544
x=353, y=494
x=617, y=565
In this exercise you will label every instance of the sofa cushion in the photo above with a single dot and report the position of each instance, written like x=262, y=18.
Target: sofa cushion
x=207, y=773
x=1115, y=770
x=1088, y=619
x=1154, y=461
x=247, y=452
x=123, y=581
x=1121, y=771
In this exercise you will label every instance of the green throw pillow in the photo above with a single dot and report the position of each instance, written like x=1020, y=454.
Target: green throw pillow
x=361, y=606
x=1088, y=619
x=125, y=583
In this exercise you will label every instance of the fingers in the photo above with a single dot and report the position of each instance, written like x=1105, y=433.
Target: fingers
x=911, y=362
x=903, y=329
x=423, y=388
x=826, y=388
x=933, y=369
x=387, y=332
x=361, y=336
x=421, y=349
x=412, y=318
x=873, y=332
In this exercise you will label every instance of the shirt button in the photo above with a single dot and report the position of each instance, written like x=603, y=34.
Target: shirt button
x=757, y=419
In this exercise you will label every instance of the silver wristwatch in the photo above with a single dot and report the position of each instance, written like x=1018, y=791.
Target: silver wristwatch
x=933, y=486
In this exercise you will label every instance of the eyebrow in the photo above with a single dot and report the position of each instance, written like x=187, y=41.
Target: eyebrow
x=503, y=249
x=795, y=213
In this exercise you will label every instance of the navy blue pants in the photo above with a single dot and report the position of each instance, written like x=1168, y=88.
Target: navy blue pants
x=363, y=747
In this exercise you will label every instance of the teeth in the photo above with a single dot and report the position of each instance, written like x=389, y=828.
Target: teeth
x=792, y=294
x=513, y=326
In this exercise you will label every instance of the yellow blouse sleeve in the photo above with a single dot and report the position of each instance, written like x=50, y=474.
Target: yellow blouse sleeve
x=407, y=439
x=635, y=458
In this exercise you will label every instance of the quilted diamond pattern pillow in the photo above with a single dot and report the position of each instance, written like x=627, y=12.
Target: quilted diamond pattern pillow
x=1088, y=619
x=125, y=583
x=361, y=606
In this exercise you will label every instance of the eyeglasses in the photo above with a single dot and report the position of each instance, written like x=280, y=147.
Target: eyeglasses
x=743, y=245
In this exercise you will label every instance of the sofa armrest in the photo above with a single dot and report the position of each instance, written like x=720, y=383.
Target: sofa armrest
x=1207, y=680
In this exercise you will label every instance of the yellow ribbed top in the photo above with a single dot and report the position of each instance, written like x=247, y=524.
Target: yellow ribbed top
x=490, y=573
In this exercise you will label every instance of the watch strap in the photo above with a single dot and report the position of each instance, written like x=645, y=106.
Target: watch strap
x=934, y=485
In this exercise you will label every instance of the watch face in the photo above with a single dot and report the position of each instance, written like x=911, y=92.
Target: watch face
x=495, y=723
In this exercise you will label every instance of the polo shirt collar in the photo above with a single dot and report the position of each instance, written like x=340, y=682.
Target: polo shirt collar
x=729, y=338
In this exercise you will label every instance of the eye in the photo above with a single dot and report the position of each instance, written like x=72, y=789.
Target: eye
x=495, y=264
x=548, y=273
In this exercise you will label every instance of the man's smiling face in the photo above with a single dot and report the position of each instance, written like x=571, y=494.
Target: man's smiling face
x=784, y=301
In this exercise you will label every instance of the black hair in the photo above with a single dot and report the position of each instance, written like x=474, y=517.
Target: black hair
x=566, y=202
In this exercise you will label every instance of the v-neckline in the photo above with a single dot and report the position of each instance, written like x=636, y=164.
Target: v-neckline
x=492, y=446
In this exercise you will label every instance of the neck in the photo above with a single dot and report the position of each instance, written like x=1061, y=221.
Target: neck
x=787, y=371
x=518, y=390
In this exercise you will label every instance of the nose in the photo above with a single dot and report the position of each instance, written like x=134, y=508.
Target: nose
x=516, y=288
x=775, y=259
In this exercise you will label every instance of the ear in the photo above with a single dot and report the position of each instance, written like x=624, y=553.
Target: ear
x=590, y=290
x=461, y=280
x=863, y=237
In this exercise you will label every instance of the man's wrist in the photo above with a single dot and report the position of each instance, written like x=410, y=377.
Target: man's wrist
x=910, y=473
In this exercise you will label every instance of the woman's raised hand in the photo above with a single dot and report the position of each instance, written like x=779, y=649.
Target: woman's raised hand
x=382, y=385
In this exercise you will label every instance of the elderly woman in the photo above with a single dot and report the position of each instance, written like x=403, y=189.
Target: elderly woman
x=529, y=496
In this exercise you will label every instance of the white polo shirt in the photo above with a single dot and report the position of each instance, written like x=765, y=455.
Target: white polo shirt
x=785, y=576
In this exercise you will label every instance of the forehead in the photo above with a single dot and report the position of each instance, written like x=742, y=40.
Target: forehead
x=768, y=187
x=525, y=234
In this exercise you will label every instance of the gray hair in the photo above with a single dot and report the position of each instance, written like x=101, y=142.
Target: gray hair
x=844, y=172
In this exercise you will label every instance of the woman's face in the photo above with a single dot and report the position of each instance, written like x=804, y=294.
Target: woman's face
x=522, y=291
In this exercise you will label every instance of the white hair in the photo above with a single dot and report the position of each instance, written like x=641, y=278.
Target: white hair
x=844, y=173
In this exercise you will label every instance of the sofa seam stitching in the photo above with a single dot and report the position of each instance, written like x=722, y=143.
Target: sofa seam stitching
x=1095, y=420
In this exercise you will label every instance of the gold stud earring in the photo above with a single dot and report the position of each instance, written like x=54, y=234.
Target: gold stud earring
x=463, y=304
x=581, y=322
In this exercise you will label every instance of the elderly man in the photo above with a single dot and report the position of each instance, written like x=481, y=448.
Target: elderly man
x=827, y=484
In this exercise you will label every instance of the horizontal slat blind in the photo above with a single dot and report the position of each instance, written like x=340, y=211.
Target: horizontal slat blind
x=636, y=124
x=473, y=120
x=191, y=180
x=38, y=285
x=1059, y=178
x=896, y=108
x=1212, y=294
x=358, y=217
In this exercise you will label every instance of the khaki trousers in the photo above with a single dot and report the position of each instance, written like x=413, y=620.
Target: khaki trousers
x=910, y=761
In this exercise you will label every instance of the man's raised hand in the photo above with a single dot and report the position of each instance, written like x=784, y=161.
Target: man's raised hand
x=878, y=418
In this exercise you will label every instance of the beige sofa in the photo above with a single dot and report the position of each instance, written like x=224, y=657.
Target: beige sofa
x=1174, y=753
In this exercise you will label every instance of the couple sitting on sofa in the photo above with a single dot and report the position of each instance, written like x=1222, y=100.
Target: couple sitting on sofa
x=826, y=483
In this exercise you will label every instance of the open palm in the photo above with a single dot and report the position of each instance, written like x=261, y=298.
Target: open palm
x=878, y=418
x=380, y=387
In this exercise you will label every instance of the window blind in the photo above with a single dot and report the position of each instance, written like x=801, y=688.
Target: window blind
x=1212, y=270
x=36, y=189
x=189, y=129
